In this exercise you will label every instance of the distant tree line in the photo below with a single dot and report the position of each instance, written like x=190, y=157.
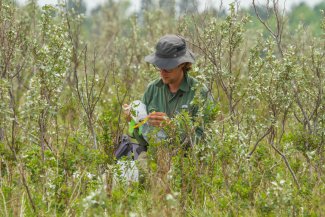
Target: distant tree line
x=300, y=14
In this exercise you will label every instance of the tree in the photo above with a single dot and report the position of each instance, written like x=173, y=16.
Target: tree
x=188, y=6
x=78, y=6
x=168, y=6
x=303, y=15
x=146, y=5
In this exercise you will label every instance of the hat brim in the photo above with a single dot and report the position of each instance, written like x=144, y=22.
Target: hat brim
x=170, y=63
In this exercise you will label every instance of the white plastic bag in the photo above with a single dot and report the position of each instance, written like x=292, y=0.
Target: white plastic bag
x=125, y=172
x=138, y=111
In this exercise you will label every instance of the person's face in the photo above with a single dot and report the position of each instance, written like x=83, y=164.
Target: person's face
x=172, y=76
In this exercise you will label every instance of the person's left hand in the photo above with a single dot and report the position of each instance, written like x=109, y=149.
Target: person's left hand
x=158, y=119
x=127, y=112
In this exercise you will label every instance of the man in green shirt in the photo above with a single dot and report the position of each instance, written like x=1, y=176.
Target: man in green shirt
x=175, y=90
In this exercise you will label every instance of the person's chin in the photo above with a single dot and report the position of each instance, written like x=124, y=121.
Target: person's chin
x=165, y=81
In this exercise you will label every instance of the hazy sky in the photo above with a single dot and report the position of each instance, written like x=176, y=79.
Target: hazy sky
x=204, y=3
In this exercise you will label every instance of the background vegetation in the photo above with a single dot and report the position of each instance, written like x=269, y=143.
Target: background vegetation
x=64, y=77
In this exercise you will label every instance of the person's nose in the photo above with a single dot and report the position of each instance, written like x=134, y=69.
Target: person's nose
x=164, y=71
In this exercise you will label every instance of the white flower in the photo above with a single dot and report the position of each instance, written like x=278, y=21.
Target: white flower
x=169, y=197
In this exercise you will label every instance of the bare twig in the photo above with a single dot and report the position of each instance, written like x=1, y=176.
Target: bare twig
x=21, y=170
x=277, y=34
x=262, y=21
x=283, y=157
x=4, y=203
x=258, y=141
x=306, y=118
x=86, y=92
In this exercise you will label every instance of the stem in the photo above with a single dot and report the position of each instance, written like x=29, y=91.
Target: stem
x=284, y=158
x=22, y=205
x=4, y=202
x=258, y=141
x=21, y=170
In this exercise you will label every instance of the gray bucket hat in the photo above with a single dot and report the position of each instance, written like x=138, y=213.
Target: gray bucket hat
x=171, y=51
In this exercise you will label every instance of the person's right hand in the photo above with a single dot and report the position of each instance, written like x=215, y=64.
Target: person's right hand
x=158, y=119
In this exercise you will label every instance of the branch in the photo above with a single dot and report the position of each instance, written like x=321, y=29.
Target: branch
x=284, y=158
x=279, y=24
x=258, y=141
x=262, y=21
x=307, y=120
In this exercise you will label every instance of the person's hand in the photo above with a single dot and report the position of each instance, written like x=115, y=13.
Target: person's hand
x=158, y=119
x=127, y=111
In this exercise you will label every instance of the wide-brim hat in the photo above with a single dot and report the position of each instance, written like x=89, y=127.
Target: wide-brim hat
x=171, y=51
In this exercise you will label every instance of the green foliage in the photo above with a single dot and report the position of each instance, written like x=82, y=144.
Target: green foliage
x=64, y=77
x=306, y=16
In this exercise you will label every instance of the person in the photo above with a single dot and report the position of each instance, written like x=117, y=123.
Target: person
x=174, y=91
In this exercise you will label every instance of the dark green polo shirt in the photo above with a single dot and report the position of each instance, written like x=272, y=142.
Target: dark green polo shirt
x=158, y=98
